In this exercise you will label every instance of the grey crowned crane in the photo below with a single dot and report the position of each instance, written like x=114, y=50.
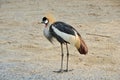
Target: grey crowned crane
x=65, y=34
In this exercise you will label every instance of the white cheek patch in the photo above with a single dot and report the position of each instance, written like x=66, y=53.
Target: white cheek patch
x=46, y=21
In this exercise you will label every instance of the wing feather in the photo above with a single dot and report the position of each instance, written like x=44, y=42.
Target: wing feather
x=63, y=27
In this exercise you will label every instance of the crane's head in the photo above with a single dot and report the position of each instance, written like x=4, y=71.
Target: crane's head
x=48, y=19
x=45, y=20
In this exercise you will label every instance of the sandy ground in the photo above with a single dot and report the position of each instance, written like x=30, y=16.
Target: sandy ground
x=25, y=54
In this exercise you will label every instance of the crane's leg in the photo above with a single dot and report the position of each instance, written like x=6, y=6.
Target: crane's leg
x=67, y=57
x=62, y=55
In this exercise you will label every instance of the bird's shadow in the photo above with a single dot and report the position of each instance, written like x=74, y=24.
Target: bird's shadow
x=61, y=71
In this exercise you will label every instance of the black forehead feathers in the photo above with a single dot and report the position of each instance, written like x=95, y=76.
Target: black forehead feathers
x=44, y=18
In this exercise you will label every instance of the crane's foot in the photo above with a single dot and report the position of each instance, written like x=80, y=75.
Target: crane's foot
x=61, y=71
x=68, y=70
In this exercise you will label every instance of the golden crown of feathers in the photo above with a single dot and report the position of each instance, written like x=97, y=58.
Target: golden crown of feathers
x=50, y=17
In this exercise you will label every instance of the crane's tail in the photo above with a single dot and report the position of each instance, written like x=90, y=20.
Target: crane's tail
x=83, y=49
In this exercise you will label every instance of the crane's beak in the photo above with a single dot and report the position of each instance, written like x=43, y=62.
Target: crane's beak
x=40, y=22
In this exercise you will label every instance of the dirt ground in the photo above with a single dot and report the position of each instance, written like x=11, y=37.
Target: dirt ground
x=25, y=54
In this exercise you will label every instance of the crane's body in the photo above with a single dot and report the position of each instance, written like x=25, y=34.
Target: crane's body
x=65, y=34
